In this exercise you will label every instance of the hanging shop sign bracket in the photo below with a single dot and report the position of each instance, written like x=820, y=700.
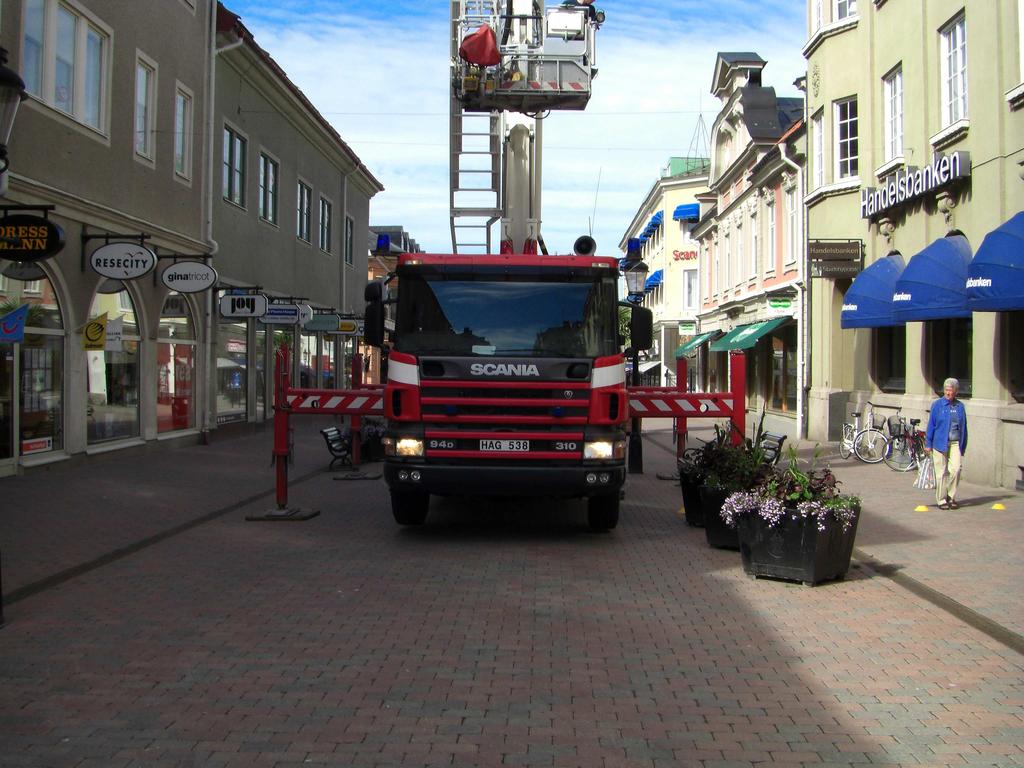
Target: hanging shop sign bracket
x=121, y=257
x=187, y=274
x=27, y=237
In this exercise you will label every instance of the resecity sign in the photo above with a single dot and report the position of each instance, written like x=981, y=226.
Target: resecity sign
x=189, y=276
x=122, y=261
x=912, y=183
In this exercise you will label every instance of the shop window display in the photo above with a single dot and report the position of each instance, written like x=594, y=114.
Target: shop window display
x=112, y=406
x=175, y=360
x=782, y=346
x=890, y=358
x=39, y=391
x=949, y=345
x=232, y=372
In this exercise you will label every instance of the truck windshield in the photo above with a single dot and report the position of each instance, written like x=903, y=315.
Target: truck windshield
x=524, y=317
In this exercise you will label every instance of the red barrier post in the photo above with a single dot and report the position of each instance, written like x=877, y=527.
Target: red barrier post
x=682, y=384
x=281, y=425
x=357, y=421
x=738, y=391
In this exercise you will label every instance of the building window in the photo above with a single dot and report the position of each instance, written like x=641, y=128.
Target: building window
x=845, y=9
x=1013, y=323
x=145, y=107
x=64, y=60
x=690, y=288
x=954, y=71
x=782, y=382
x=349, y=240
x=792, y=225
x=770, y=265
x=303, y=212
x=890, y=358
x=183, y=133
x=818, y=137
x=723, y=280
x=325, y=225
x=755, y=244
x=893, y=98
x=234, y=167
x=818, y=19
x=846, y=138
x=949, y=347
x=268, y=189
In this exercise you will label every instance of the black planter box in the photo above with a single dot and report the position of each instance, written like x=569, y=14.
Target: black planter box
x=719, y=534
x=795, y=549
x=371, y=449
x=691, y=501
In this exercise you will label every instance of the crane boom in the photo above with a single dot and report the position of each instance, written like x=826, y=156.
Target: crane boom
x=513, y=61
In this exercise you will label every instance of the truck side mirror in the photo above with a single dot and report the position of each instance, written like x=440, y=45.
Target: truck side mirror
x=641, y=328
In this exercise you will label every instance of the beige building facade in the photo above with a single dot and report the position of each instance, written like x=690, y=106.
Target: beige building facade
x=663, y=223
x=915, y=142
x=751, y=239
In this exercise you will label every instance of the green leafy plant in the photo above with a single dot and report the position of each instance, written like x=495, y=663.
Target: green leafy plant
x=810, y=491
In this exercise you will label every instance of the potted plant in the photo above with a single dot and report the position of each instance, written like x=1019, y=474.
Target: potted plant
x=729, y=466
x=795, y=524
x=371, y=431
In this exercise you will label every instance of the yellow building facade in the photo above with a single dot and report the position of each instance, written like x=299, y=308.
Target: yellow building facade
x=915, y=146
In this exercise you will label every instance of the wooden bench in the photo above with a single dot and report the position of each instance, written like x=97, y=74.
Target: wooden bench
x=338, y=444
x=771, y=444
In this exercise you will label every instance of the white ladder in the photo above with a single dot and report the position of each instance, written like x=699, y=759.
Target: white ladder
x=475, y=147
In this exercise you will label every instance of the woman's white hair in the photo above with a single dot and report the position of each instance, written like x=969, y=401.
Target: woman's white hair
x=951, y=382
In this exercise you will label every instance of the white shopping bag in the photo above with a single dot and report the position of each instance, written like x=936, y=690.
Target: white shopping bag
x=925, y=475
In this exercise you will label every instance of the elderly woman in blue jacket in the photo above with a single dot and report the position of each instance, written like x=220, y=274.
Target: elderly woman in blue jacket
x=946, y=441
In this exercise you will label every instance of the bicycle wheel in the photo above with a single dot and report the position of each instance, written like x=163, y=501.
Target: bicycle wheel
x=900, y=455
x=846, y=443
x=871, y=445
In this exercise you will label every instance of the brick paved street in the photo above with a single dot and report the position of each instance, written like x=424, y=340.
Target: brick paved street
x=498, y=634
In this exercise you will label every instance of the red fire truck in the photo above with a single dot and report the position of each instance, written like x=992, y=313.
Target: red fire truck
x=505, y=373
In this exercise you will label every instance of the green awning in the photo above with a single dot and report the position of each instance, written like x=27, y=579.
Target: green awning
x=692, y=344
x=746, y=336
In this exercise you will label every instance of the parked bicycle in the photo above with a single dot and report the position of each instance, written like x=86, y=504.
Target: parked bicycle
x=868, y=443
x=906, y=444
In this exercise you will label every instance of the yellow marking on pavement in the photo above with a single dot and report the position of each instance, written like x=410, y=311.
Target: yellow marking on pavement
x=999, y=507
x=920, y=508
x=682, y=511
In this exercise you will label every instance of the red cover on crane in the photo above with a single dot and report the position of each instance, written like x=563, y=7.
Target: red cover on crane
x=481, y=47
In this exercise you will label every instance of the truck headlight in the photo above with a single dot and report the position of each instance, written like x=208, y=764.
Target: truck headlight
x=605, y=449
x=409, y=446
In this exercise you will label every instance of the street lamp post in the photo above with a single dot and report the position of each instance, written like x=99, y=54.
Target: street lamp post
x=12, y=91
x=635, y=272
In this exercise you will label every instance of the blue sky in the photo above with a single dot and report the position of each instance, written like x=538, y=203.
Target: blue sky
x=378, y=71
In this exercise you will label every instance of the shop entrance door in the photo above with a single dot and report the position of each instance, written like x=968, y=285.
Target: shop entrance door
x=8, y=410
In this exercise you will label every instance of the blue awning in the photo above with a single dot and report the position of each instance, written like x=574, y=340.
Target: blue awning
x=995, y=277
x=653, y=281
x=643, y=238
x=934, y=284
x=688, y=212
x=657, y=218
x=868, y=303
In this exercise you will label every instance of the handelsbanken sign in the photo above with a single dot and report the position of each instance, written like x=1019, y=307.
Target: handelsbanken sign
x=911, y=183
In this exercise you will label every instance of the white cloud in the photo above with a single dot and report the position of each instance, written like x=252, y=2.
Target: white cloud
x=382, y=81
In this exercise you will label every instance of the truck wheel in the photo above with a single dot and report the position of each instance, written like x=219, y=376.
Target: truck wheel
x=603, y=512
x=410, y=508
